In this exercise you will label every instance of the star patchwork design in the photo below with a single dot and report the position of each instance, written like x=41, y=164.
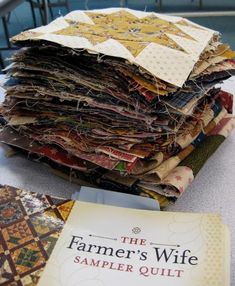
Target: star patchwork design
x=166, y=47
x=134, y=36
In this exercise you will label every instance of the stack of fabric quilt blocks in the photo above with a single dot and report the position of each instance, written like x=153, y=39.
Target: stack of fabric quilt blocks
x=121, y=99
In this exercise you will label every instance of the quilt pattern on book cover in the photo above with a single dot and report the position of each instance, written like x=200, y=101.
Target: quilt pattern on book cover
x=30, y=225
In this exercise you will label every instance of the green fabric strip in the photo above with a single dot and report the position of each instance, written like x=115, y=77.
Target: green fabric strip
x=202, y=153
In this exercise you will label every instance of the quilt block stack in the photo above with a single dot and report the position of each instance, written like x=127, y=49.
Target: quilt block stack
x=122, y=99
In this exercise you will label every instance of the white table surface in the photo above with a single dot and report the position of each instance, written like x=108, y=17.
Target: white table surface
x=212, y=191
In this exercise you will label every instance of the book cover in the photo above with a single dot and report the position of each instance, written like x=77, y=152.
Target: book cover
x=89, y=244
x=30, y=225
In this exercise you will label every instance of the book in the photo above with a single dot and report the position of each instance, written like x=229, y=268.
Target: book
x=51, y=241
